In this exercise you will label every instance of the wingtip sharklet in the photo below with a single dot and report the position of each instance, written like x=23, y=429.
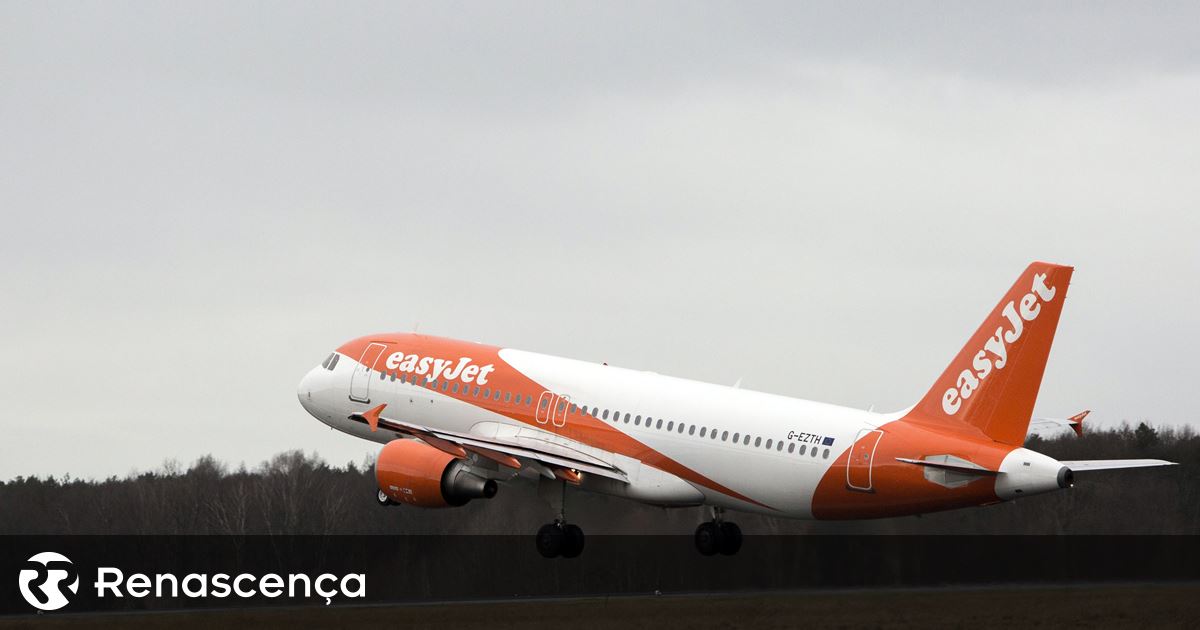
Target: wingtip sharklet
x=1076, y=422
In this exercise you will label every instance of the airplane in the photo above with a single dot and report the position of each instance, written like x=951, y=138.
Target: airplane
x=457, y=419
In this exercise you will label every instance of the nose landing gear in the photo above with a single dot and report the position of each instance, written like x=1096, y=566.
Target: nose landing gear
x=718, y=536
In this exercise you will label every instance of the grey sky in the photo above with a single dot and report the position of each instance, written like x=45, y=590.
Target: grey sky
x=201, y=200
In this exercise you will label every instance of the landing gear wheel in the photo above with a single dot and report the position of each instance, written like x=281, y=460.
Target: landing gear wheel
x=573, y=543
x=560, y=539
x=708, y=538
x=550, y=540
x=382, y=498
x=731, y=538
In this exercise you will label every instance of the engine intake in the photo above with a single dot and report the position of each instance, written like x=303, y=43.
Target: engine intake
x=415, y=473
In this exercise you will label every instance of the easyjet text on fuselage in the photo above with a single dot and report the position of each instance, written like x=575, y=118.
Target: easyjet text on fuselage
x=435, y=368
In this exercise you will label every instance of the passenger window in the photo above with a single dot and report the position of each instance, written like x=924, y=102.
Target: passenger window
x=791, y=447
x=692, y=430
x=825, y=455
x=606, y=414
x=746, y=441
x=814, y=452
x=433, y=384
x=487, y=392
x=454, y=388
x=638, y=420
x=496, y=397
x=583, y=410
x=475, y=392
x=573, y=408
x=724, y=436
x=445, y=385
x=803, y=448
x=671, y=426
x=681, y=425
x=381, y=375
x=595, y=412
x=659, y=425
x=735, y=437
x=770, y=443
x=393, y=376
x=561, y=405
x=713, y=434
x=507, y=396
x=703, y=431
x=626, y=418
x=779, y=445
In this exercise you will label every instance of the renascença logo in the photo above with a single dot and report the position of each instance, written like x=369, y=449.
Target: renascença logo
x=43, y=579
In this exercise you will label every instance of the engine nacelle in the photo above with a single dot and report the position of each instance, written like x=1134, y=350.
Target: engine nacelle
x=416, y=473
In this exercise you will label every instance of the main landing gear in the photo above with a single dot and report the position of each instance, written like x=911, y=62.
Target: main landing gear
x=560, y=539
x=718, y=535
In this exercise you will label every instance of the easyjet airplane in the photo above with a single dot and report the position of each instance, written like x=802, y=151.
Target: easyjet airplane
x=458, y=418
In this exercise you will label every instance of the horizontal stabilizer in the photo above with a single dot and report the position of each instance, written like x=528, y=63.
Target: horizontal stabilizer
x=1113, y=464
x=955, y=464
x=1075, y=423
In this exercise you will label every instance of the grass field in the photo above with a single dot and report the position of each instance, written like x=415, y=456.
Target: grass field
x=1141, y=606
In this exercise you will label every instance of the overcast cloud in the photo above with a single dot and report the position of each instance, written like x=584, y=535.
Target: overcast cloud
x=201, y=200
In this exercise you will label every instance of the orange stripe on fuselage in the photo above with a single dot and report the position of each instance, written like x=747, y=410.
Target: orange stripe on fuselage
x=581, y=427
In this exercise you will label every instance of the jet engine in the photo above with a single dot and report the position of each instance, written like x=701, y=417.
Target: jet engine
x=414, y=473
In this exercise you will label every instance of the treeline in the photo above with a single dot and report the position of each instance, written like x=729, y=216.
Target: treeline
x=299, y=493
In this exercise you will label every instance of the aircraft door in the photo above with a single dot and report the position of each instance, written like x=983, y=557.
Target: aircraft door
x=560, y=410
x=545, y=408
x=360, y=379
x=552, y=408
x=862, y=460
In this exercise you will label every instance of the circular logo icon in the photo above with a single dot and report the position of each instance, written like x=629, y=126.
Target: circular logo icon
x=45, y=578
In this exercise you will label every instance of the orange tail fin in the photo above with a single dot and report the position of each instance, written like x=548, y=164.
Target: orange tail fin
x=993, y=382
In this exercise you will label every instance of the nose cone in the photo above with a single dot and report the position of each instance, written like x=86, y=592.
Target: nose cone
x=305, y=391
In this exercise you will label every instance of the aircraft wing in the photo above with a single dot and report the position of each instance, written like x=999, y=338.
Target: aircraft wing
x=1075, y=423
x=1111, y=464
x=552, y=465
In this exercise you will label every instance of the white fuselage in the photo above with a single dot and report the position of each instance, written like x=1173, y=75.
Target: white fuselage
x=784, y=446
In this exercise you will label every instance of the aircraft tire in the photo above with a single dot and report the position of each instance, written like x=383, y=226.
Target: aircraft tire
x=550, y=540
x=708, y=538
x=731, y=538
x=573, y=541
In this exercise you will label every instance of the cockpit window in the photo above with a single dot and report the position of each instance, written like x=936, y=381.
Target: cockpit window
x=330, y=361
